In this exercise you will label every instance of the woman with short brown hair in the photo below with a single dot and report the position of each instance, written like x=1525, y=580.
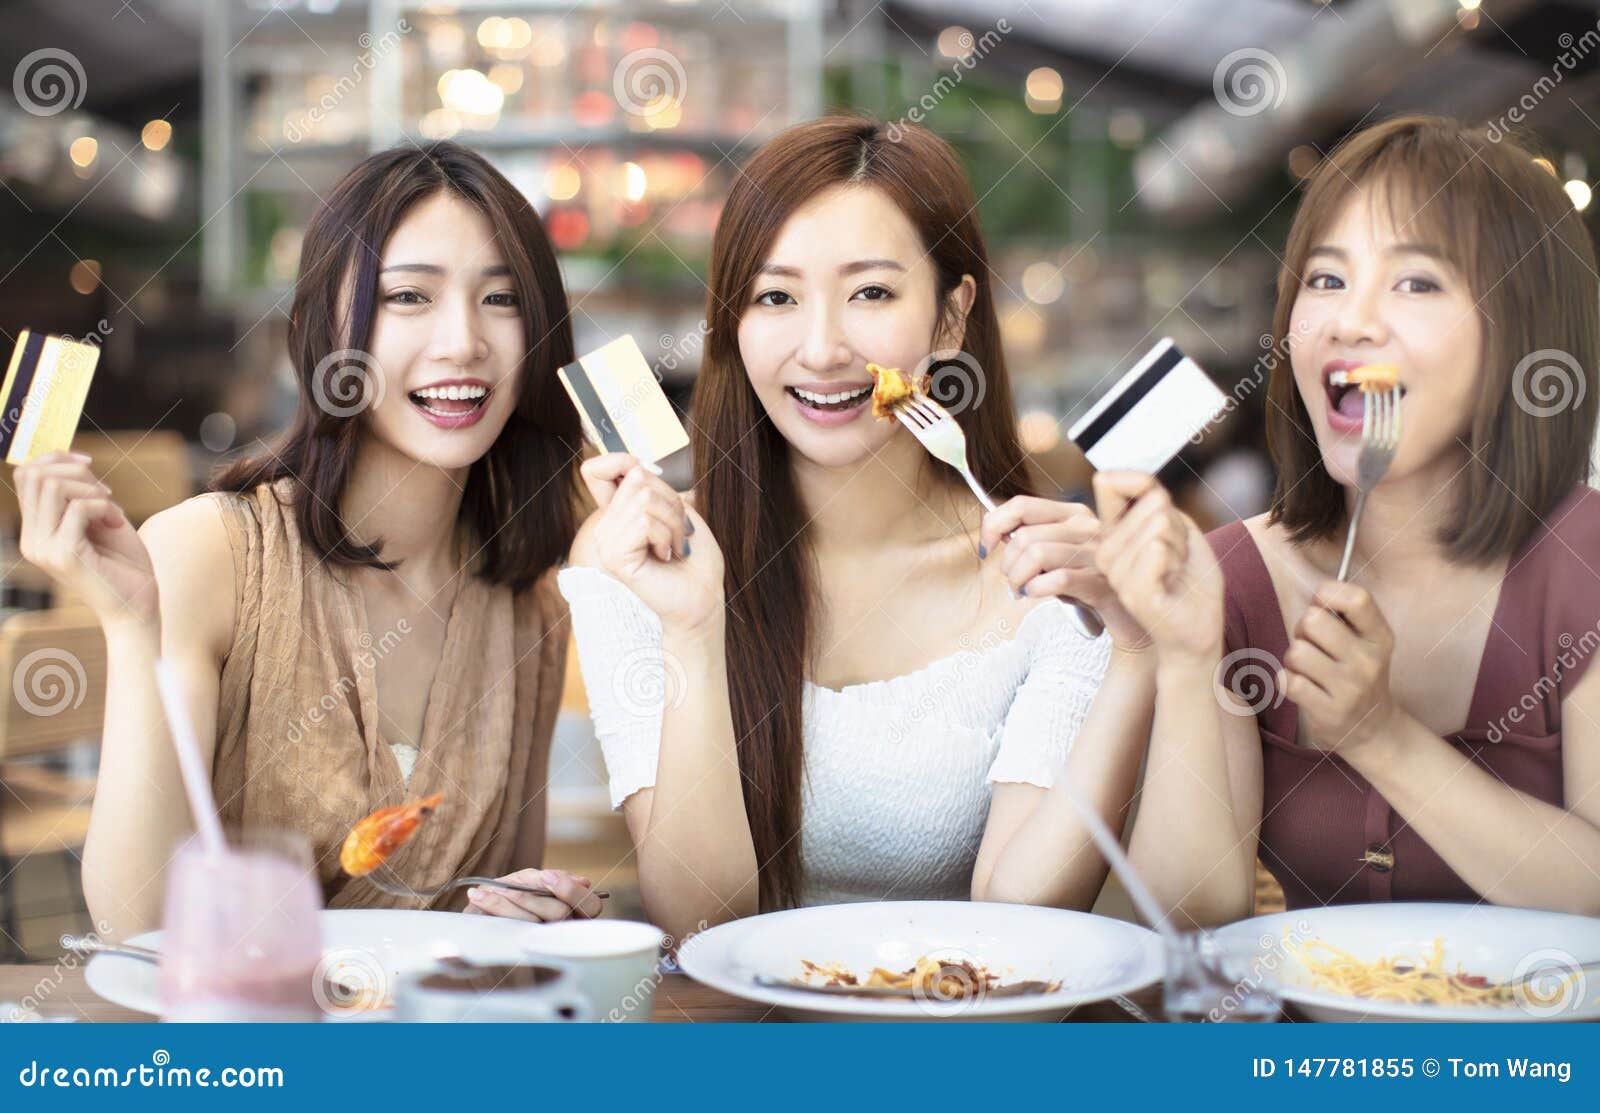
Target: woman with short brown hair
x=1429, y=730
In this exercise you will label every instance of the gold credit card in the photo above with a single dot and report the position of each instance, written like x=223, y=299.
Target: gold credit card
x=622, y=405
x=46, y=384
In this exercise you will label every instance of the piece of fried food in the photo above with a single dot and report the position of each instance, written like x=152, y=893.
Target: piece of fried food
x=891, y=386
x=1369, y=377
x=370, y=842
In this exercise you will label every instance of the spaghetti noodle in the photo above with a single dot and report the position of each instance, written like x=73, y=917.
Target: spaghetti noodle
x=1402, y=979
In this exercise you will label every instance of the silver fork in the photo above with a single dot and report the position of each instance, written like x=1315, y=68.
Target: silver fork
x=1380, y=437
x=385, y=878
x=936, y=428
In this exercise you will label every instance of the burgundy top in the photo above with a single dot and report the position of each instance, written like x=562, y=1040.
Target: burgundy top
x=1327, y=835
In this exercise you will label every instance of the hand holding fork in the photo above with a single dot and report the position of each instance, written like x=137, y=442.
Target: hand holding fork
x=935, y=427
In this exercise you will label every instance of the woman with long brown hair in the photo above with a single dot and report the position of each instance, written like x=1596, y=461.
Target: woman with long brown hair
x=365, y=611
x=1430, y=729
x=809, y=685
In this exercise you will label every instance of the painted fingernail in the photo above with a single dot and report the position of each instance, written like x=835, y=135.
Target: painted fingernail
x=983, y=550
x=1021, y=591
x=688, y=526
x=686, y=547
x=475, y=895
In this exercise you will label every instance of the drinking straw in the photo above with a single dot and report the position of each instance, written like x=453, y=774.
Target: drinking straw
x=1120, y=865
x=195, y=782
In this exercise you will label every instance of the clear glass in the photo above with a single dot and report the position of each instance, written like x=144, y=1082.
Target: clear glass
x=241, y=938
x=1210, y=980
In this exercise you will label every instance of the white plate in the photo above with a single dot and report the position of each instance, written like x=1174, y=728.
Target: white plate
x=1093, y=957
x=370, y=946
x=1498, y=943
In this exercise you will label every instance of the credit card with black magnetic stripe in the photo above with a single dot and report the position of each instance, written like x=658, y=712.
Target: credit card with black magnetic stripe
x=1151, y=414
x=597, y=424
x=19, y=377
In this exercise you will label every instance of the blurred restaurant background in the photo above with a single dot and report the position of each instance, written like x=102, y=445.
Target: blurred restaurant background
x=1137, y=163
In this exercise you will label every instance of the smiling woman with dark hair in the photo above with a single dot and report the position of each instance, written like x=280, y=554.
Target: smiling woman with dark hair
x=365, y=611
x=856, y=705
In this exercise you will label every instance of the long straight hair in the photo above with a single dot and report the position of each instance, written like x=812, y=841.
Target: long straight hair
x=521, y=496
x=744, y=487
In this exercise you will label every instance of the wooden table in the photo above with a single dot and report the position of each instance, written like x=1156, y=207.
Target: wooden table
x=61, y=991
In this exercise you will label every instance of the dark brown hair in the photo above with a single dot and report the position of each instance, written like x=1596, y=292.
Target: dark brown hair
x=743, y=483
x=521, y=496
x=1505, y=223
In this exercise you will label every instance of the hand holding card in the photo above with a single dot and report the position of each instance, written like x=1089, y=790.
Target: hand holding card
x=77, y=534
x=1151, y=554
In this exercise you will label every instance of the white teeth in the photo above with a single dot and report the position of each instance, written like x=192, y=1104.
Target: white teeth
x=452, y=393
x=823, y=399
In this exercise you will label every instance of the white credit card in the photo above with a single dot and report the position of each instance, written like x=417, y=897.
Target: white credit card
x=622, y=406
x=1150, y=414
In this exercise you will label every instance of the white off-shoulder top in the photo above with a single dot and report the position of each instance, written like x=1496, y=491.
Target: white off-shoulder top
x=897, y=772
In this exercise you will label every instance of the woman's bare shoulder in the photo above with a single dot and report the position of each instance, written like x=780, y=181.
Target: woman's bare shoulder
x=193, y=561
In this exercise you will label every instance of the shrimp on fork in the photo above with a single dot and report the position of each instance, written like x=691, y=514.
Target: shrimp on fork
x=370, y=842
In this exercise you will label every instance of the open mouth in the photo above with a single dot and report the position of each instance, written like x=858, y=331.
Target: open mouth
x=1345, y=399
x=835, y=402
x=450, y=402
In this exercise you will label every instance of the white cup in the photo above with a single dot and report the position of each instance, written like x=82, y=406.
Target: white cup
x=492, y=994
x=615, y=962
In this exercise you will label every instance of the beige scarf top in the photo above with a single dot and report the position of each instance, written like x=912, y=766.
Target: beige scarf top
x=298, y=742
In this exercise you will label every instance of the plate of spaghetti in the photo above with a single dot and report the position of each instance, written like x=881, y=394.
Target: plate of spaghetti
x=1428, y=962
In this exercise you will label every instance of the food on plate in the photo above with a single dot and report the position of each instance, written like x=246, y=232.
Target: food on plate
x=1369, y=377
x=939, y=979
x=370, y=842
x=1404, y=979
x=891, y=386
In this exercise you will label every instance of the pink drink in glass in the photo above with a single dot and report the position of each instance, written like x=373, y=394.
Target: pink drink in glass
x=241, y=938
